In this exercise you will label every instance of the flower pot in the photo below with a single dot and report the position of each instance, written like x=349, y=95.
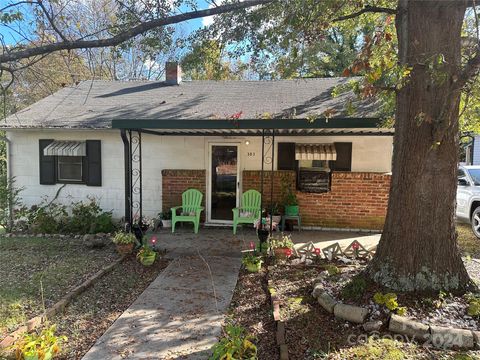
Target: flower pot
x=148, y=260
x=291, y=210
x=167, y=223
x=280, y=253
x=262, y=235
x=253, y=267
x=124, y=249
x=277, y=218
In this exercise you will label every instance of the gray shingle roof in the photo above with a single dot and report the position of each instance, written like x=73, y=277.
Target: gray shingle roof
x=93, y=104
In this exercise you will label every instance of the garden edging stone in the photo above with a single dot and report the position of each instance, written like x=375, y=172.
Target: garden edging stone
x=352, y=313
x=327, y=302
x=439, y=336
x=404, y=326
x=444, y=337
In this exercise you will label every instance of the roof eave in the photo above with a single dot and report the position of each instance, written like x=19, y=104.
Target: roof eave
x=247, y=124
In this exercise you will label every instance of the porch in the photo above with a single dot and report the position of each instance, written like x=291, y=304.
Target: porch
x=227, y=158
x=215, y=241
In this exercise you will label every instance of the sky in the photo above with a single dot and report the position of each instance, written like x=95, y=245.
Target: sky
x=11, y=35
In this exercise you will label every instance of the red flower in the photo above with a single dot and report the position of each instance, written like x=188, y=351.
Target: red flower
x=153, y=240
x=316, y=251
x=355, y=246
x=252, y=245
x=288, y=252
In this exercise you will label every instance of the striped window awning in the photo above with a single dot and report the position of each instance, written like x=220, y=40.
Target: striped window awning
x=66, y=148
x=315, y=152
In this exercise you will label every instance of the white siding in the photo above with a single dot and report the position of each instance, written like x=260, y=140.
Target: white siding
x=476, y=151
x=174, y=152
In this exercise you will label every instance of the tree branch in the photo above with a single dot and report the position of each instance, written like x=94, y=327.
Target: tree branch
x=50, y=20
x=17, y=4
x=127, y=34
x=471, y=68
x=366, y=9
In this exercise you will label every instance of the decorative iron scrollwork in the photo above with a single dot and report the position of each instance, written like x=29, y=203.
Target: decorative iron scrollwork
x=136, y=175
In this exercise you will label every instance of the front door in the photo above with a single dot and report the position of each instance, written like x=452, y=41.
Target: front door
x=223, y=182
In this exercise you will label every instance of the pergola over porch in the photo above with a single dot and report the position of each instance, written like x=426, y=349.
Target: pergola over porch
x=132, y=129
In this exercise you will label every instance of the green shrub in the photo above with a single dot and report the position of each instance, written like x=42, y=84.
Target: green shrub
x=44, y=345
x=355, y=288
x=124, y=238
x=378, y=349
x=390, y=302
x=52, y=218
x=236, y=344
x=332, y=270
x=88, y=217
x=9, y=200
x=473, y=305
x=284, y=241
x=49, y=218
x=250, y=258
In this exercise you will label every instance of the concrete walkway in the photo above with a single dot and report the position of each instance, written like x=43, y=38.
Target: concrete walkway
x=179, y=316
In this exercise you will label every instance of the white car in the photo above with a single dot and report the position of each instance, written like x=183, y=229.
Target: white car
x=468, y=196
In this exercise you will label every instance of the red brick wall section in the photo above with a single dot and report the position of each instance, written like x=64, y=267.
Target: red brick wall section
x=356, y=200
x=175, y=182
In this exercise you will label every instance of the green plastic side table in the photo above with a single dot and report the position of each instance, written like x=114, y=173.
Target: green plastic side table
x=292, y=217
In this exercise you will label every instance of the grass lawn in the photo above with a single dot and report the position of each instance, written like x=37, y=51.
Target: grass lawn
x=469, y=244
x=58, y=265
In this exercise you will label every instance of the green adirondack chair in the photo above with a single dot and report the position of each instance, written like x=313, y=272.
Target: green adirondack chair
x=249, y=210
x=191, y=209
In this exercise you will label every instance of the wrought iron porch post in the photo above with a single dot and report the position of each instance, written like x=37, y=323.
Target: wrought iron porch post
x=136, y=175
x=268, y=157
x=132, y=154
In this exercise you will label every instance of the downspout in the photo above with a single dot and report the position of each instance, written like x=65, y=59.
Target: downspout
x=126, y=159
x=9, y=177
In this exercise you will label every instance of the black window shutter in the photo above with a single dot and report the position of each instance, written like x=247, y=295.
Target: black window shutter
x=47, y=164
x=94, y=163
x=286, y=156
x=344, y=157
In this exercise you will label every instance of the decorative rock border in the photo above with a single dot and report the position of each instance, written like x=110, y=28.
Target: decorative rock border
x=438, y=336
x=58, y=307
x=280, y=334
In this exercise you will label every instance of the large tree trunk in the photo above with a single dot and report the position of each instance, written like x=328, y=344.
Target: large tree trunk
x=418, y=249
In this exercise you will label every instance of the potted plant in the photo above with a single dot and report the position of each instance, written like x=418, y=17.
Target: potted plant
x=252, y=262
x=124, y=242
x=289, y=197
x=275, y=213
x=291, y=203
x=281, y=246
x=166, y=219
x=263, y=228
x=146, y=255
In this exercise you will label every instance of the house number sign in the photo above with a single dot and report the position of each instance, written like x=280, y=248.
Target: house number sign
x=250, y=153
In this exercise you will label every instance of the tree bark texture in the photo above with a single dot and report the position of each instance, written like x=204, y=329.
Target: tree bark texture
x=418, y=248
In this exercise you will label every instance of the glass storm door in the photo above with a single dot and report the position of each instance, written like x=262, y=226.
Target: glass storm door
x=224, y=173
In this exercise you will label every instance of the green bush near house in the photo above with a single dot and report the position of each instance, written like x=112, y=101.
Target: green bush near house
x=87, y=217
